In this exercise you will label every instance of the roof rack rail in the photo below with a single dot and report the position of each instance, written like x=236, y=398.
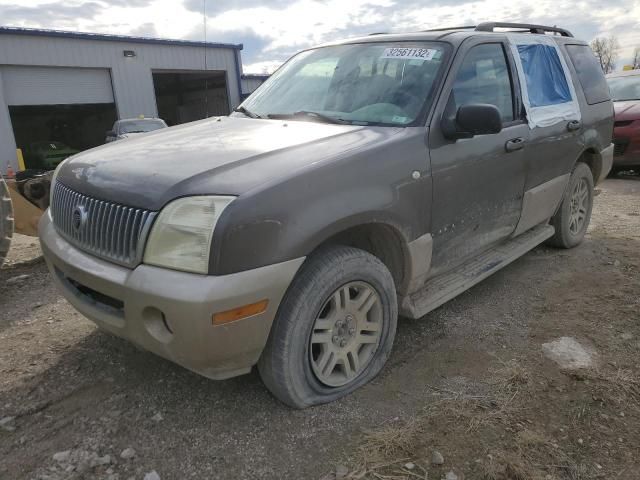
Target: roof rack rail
x=466, y=27
x=530, y=28
x=378, y=33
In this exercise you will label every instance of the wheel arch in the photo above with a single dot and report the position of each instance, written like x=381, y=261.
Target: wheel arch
x=384, y=240
x=592, y=157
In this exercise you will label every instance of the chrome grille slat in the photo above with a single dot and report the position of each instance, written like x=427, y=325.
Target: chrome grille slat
x=135, y=227
x=127, y=231
x=114, y=232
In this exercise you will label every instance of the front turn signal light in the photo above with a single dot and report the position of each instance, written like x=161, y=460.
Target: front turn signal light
x=239, y=313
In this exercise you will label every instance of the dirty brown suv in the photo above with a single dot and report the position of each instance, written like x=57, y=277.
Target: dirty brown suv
x=366, y=179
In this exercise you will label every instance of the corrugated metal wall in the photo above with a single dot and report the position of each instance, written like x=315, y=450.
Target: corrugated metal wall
x=131, y=77
x=56, y=85
x=249, y=84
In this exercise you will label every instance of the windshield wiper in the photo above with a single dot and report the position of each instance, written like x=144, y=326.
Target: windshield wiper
x=246, y=112
x=310, y=114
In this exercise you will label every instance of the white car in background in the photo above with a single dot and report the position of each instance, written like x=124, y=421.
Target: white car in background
x=132, y=127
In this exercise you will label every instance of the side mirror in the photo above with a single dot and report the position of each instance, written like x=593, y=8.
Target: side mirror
x=471, y=120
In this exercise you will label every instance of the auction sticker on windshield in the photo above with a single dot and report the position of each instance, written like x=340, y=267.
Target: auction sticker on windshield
x=410, y=53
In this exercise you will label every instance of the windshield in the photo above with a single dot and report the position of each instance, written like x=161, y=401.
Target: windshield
x=140, y=126
x=371, y=83
x=624, y=88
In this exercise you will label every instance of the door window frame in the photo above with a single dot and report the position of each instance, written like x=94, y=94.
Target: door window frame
x=516, y=91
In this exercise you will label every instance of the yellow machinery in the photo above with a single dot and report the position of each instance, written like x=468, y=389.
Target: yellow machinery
x=22, y=202
x=25, y=213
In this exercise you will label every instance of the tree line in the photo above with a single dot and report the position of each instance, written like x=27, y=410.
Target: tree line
x=606, y=50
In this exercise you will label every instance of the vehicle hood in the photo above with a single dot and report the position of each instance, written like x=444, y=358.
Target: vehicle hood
x=222, y=156
x=629, y=110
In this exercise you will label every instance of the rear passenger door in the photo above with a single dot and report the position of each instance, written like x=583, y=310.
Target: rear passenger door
x=478, y=182
x=553, y=149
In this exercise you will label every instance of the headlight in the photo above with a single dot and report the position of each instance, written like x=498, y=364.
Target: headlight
x=181, y=235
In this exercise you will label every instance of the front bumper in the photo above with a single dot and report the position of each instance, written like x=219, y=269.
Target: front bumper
x=169, y=312
x=627, y=141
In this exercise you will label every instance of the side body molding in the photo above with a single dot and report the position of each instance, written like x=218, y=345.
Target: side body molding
x=541, y=202
x=418, y=263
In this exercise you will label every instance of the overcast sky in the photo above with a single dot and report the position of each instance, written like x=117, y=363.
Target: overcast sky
x=272, y=30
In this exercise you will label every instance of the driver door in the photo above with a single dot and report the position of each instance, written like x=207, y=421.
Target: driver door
x=478, y=182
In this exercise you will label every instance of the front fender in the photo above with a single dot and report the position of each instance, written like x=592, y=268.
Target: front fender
x=290, y=219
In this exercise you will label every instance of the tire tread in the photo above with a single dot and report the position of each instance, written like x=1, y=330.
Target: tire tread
x=562, y=238
x=6, y=221
x=274, y=360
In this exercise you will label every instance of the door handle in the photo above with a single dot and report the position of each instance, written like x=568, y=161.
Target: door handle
x=574, y=125
x=514, y=144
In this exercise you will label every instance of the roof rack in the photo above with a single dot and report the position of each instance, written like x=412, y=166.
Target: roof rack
x=466, y=27
x=530, y=28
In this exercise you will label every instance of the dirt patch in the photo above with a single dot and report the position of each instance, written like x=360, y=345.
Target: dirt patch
x=24, y=250
x=469, y=381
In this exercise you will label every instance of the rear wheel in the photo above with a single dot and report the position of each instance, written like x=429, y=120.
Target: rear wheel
x=334, y=329
x=6, y=221
x=573, y=217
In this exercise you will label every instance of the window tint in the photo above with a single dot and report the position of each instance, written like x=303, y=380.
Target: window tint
x=484, y=78
x=589, y=73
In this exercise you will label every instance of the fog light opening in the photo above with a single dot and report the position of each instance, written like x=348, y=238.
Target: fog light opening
x=157, y=325
x=166, y=324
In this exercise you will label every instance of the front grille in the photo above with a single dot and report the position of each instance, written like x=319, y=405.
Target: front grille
x=108, y=230
x=619, y=146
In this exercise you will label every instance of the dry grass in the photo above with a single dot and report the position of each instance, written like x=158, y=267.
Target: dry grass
x=517, y=448
x=505, y=467
x=391, y=441
x=513, y=374
x=385, y=450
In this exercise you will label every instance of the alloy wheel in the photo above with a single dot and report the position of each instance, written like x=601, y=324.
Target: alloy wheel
x=579, y=206
x=346, y=334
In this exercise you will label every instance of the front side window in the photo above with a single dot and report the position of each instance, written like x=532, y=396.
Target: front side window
x=370, y=83
x=624, y=88
x=484, y=78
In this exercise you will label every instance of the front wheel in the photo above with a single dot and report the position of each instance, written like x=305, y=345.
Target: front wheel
x=573, y=217
x=334, y=329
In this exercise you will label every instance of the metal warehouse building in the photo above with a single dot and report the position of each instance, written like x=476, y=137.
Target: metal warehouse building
x=250, y=82
x=70, y=87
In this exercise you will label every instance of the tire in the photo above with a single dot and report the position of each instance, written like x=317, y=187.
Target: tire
x=6, y=221
x=307, y=330
x=570, y=224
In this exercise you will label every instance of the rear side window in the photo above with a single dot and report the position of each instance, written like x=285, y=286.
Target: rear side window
x=589, y=73
x=546, y=83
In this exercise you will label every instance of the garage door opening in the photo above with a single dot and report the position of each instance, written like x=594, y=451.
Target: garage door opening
x=49, y=133
x=184, y=97
x=57, y=111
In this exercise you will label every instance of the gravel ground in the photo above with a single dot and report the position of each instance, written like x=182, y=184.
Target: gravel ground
x=78, y=403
